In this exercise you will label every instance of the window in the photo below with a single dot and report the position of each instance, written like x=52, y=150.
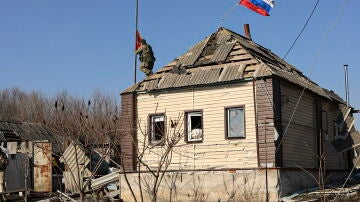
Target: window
x=194, y=126
x=157, y=128
x=235, y=122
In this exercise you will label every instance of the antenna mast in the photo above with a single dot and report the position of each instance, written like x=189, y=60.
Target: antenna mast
x=136, y=30
x=347, y=94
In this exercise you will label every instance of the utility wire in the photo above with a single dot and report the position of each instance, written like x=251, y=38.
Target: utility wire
x=302, y=30
x=341, y=11
x=228, y=14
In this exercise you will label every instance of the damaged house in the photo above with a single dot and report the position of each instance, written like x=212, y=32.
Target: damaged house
x=249, y=119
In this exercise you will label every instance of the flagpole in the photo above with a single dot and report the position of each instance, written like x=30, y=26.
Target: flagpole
x=136, y=30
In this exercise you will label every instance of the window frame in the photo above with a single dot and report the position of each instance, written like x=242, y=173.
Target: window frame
x=186, y=126
x=226, y=121
x=150, y=129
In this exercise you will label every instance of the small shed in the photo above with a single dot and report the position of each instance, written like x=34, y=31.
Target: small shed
x=30, y=148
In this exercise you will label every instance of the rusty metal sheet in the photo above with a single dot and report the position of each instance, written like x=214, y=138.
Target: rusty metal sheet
x=42, y=166
x=222, y=52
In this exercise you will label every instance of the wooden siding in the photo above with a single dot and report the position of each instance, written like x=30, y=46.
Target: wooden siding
x=299, y=138
x=333, y=159
x=265, y=122
x=215, y=151
x=128, y=125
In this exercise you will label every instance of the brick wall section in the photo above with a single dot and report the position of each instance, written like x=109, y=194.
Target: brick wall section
x=128, y=131
x=265, y=122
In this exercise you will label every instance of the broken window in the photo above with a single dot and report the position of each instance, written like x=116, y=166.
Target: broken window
x=194, y=126
x=157, y=128
x=235, y=122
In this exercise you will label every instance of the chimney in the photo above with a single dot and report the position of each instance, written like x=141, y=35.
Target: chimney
x=247, y=31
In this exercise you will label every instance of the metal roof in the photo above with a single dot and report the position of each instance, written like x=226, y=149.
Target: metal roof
x=31, y=132
x=222, y=57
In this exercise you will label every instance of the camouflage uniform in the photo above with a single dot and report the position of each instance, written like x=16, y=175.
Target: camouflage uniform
x=147, y=58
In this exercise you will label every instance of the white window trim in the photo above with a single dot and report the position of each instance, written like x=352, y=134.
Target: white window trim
x=154, y=119
x=191, y=132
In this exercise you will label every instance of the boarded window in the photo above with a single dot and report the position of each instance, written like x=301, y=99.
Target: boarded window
x=157, y=128
x=235, y=122
x=194, y=126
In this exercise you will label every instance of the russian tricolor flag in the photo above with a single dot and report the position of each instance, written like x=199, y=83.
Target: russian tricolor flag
x=262, y=7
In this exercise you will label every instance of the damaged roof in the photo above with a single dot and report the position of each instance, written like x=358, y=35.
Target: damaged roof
x=23, y=131
x=222, y=57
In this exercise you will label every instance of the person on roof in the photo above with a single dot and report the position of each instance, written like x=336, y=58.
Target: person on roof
x=147, y=58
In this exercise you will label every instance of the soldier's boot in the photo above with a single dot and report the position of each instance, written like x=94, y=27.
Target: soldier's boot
x=147, y=71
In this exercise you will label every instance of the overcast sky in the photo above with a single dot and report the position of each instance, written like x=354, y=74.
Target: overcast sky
x=86, y=45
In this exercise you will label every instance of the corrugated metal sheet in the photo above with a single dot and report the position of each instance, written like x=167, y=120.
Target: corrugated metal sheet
x=152, y=84
x=300, y=80
x=76, y=161
x=193, y=54
x=222, y=52
x=263, y=63
x=33, y=132
x=197, y=78
x=104, y=180
x=232, y=72
x=222, y=38
x=212, y=75
x=166, y=81
x=262, y=71
x=182, y=80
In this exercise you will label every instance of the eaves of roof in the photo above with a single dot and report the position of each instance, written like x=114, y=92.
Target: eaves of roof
x=223, y=57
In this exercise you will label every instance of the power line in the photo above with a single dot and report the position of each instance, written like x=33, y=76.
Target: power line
x=228, y=14
x=302, y=30
x=341, y=11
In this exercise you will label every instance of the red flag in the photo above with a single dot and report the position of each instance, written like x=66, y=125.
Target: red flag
x=138, y=40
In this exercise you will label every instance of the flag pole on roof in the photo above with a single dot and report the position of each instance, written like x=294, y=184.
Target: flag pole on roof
x=137, y=36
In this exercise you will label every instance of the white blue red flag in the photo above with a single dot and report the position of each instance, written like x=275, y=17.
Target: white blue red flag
x=262, y=7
